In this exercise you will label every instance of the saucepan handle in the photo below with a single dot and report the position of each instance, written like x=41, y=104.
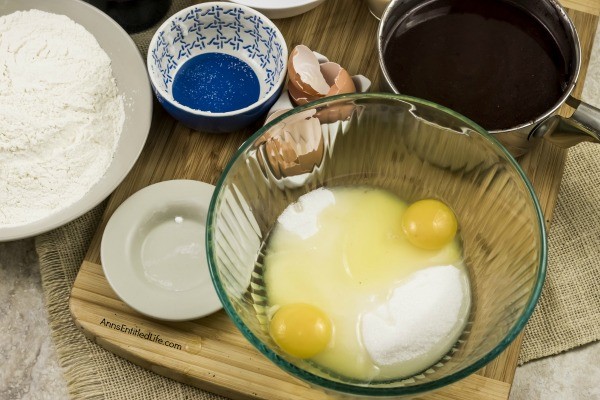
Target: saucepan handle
x=585, y=114
x=582, y=126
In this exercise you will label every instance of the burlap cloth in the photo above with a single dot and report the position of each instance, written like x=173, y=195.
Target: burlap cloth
x=568, y=312
x=567, y=315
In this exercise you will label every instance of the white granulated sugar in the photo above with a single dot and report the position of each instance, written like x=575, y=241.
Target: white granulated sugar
x=420, y=314
x=60, y=114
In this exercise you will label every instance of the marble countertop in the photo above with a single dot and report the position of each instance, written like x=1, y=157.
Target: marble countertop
x=29, y=367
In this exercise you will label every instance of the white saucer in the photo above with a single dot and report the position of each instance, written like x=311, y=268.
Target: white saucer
x=153, y=251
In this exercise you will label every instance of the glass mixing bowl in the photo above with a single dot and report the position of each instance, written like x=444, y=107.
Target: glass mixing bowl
x=415, y=149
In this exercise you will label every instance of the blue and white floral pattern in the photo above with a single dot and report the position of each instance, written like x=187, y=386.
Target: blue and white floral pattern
x=219, y=28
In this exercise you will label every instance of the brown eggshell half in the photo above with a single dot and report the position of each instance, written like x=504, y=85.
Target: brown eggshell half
x=337, y=78
x=299, y=148
x=305, y=72
x=298, y=97
x=295, y=147
x=334, y=113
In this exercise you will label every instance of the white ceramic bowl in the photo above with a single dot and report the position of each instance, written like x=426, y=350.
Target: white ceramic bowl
x=281, y=8
x=218, y=27
x=132, y=82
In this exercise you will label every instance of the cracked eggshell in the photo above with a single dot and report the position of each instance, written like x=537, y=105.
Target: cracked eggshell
x=338, y=79
x=298, y=96
x=335, y=113
x=293, y=148
x=305, y=73
x=298, y=149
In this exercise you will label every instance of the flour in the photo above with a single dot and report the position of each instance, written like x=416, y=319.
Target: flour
x=302, y=217
x=60, y=115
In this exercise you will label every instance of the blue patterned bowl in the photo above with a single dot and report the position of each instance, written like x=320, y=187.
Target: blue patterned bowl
x=218, y=27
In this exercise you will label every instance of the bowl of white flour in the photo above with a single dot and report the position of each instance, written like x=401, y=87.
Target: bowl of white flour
x=75, y=111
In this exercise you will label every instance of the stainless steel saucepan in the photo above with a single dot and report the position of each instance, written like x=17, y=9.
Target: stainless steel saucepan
x=583, y=125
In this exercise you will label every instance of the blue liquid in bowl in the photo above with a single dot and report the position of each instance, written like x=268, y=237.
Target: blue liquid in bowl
x=215, y=82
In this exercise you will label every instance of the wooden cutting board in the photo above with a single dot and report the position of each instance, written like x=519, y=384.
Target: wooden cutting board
x=210, y=353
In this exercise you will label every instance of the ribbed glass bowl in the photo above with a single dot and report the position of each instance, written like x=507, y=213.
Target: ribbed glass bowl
x=416, y=150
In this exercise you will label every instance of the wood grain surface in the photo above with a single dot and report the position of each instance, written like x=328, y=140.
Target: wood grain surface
x=210, y=353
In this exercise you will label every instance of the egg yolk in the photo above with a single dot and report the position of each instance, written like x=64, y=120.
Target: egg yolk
x=429, y=224
x=301, y=330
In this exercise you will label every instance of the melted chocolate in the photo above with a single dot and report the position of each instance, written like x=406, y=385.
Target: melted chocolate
x=488, y=60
